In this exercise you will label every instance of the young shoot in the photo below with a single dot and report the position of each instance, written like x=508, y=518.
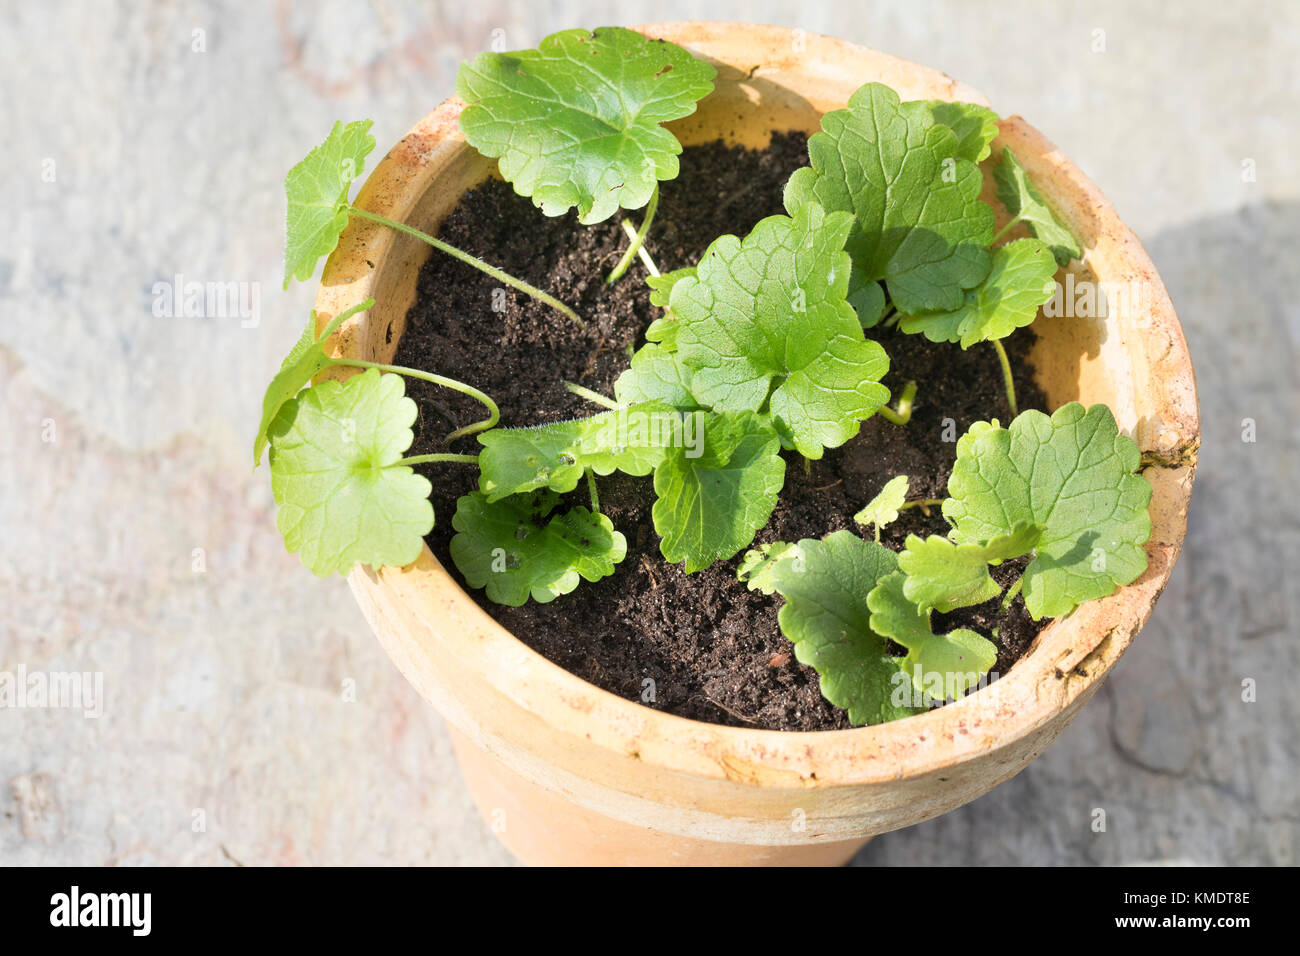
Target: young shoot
x=318, y=188
x=578, y=121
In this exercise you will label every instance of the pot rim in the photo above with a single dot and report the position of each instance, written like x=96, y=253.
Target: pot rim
x=1069, y=658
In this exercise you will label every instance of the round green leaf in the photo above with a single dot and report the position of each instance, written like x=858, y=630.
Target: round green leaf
x=342, y=497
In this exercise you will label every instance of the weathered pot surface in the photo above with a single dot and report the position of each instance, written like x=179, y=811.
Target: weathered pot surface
x=568, y=773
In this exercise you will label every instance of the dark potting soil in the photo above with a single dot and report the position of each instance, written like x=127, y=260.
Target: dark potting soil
x=711, y=647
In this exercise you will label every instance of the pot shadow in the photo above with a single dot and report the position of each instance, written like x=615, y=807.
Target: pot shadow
x=1188, y=754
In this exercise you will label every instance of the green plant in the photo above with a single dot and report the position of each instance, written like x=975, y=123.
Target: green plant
x=761, y=349
x=317, y=189
x=921, y=238
x=577, y=122
x=1063, y=490
x=346, y=494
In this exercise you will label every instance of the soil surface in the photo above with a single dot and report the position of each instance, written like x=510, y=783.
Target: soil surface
x=711, y=647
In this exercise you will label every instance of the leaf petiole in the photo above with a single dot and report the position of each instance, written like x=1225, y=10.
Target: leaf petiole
x=428, y=459
x=637, y=239
x=925, y=504
x=1005, y=229
x=469, y=260
x=591, y=490
x=902, y=414
x=643, y=254
x=1012, y=592
x=494, y=413
x=591, y=396
x=1006, y=376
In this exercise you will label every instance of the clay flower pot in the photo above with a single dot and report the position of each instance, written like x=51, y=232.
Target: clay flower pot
x=574, y=775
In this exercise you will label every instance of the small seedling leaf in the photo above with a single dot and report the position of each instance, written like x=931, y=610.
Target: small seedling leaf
x=1018, y=194
x=759, y=563
x=919, y=225
x=511, y=549
x=318, y=189
x=827, y=618
x=1075, y=476
x=942, y=666
x=342, y=497
x=577, y=121
x=974, y=126
x=765, y=325
x=882, y=510
x=631, y=440
x=1020, y=279
x=305, y=359
x=711, y=505
x=943, y=575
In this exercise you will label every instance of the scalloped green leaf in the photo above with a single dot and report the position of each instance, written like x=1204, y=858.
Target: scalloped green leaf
x=827, y=618
x=919, y=225
x=765, y=325
x=305, y=359
x=1074, y=475
x=882, y=510
x=943, y=575
x=632, y=440
x=1020, y=279
x=655, y=375
x=510, y=548
x=1024, y=202
x=942, y=666
x=974, y=126
x=577, y=121
x=711, y=505
x=661, y=286
x=757, y=567
x=317, y=190
x=343, y=498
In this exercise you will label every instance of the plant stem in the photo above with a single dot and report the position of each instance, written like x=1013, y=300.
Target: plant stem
x=1012, y=592
x=591, y=490
x=590, y=396
x=1006, y=376
x=925, y=504
x=1001, y=232
x=643, y=254
x=425, y=459
x=494, y=413
x=903, y=414
x=469, y=260
x=631, y=252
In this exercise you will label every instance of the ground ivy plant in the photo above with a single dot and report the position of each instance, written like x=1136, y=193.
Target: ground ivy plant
x=1062, y=490
x=578, y=122
x=761, y=354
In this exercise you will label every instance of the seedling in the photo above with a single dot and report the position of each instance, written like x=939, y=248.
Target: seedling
x=761, y=347
x=908, y=173
x=317, y=190
x=577, y=122
x=513, y=551
x=1063, y=488
x=843, y=604
x=919, y=232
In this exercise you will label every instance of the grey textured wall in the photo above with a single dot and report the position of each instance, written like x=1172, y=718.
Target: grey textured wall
x=131, y=157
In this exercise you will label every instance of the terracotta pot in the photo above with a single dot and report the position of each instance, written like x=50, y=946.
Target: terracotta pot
x=570, y=774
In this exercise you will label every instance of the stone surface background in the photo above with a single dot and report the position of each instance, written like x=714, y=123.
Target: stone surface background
x=132, y=157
